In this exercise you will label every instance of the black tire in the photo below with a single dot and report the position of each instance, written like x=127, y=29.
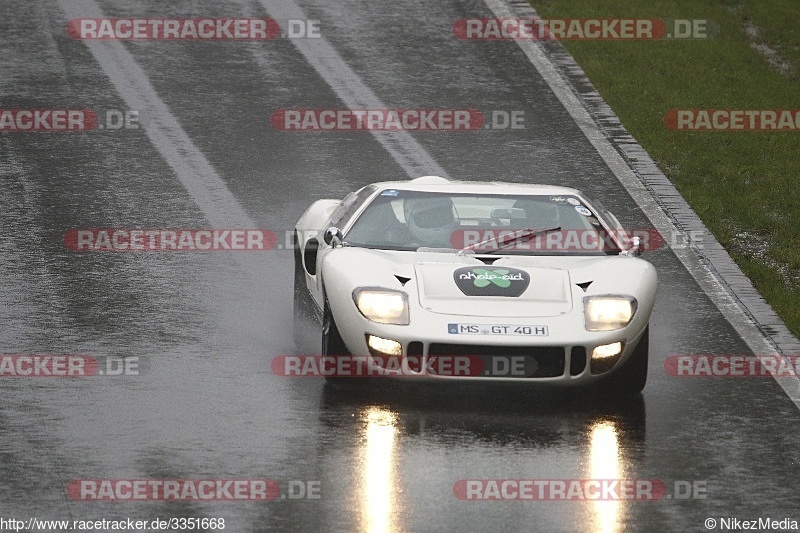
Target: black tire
x=332, y=344
x=299, y=293
x=631, y=378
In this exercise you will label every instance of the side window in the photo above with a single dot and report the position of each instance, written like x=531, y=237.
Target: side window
x=606, y=215
x=350, y=205
x=337, y=215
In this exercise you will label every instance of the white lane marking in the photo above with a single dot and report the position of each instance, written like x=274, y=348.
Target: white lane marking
x=409, y=154
x=191, y=167
x=247, y=317
x=193, y=170
x=710, y=284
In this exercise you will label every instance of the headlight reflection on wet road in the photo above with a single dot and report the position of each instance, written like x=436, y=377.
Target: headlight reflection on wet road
x=604, y=463
x=378, y=485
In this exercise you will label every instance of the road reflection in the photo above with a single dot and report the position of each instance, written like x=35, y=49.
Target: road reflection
x=396, y=436
x=604, y=463
x=378, y=484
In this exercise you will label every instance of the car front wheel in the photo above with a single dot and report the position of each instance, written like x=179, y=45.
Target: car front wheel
x=333, y=346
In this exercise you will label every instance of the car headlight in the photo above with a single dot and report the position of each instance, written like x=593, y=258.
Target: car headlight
x=385, y=306
x=606, y=313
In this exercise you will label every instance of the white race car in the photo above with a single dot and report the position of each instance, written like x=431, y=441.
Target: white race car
x=431, y=278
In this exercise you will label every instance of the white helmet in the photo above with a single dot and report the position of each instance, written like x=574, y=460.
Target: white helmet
x=430, y=220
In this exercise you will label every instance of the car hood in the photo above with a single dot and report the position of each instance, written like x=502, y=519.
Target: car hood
x=508, y=286
x=502, y=289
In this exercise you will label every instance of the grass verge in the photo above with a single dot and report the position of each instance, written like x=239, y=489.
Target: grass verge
x=744, y=185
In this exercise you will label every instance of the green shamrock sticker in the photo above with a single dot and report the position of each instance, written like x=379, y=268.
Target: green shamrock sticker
x=499, y=277
x=491, y=281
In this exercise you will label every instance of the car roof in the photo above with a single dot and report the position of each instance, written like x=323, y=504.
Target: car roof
x=439, y=184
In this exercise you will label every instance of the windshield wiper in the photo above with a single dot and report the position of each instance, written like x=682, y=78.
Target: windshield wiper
x=526, y=233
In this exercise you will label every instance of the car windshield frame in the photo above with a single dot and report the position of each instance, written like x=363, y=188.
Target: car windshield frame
x=356, y=229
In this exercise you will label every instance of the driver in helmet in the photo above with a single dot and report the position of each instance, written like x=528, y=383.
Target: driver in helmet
x=431, y=220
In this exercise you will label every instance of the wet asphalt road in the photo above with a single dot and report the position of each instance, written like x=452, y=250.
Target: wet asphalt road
x=205, y=326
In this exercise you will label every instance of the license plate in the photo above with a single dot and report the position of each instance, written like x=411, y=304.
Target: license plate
x=497, y=329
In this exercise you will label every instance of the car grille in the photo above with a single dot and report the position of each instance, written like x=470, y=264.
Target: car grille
x=549, y=360
x=577, y=361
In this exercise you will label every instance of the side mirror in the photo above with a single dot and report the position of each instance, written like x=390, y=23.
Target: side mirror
x=332, y=237
x=636, y=247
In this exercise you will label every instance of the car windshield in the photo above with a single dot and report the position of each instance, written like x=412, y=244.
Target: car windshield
x=488, y=223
